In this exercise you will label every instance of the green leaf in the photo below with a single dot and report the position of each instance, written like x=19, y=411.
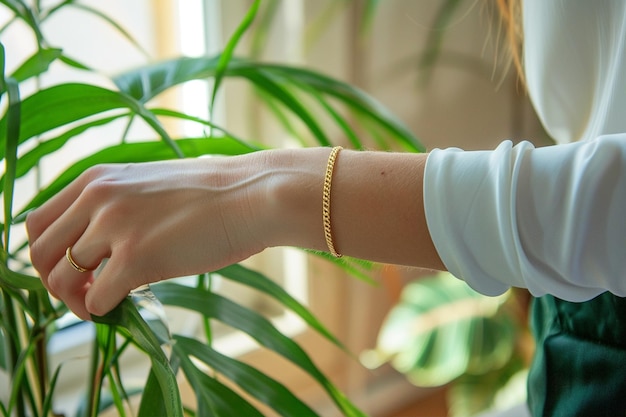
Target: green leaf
x=106, y=401
x=277, y=81
x=2, y=68
x=4, y=360
x=36, y=64
x=18, y=373
x=12, y=291
x=139, y=152
x=62, y=104
x=358, y=268
x=254, y=279
x=24, y=12
x=369, y=13
x=16, y=280
x=31, y=159
x=253, y=324
x=127, y=316
x=12, y=137
x=352, y=97
x=280, y=114
x=150, y=405
x=150, y=400
x=263, y=27
x=499, y=389
x=178, y=115
x=340, y=120
x=442, y=329
x=214, y=396
x=229, y=49
x=148, y=81
x=74, y=64
x=46, y=13
x=46, y=409
x=279, y=92
x=254, y=382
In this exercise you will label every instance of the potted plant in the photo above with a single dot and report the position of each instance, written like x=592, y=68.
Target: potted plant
x=36, y=125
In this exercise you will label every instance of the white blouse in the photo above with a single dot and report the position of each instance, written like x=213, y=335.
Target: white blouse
x=550, y=219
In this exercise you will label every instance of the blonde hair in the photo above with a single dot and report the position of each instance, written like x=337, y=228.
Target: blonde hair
x=511, y=17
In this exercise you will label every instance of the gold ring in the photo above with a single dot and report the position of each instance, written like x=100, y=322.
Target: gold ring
x=68, y=255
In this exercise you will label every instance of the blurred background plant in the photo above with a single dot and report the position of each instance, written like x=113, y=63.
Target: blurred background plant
x=441, y=332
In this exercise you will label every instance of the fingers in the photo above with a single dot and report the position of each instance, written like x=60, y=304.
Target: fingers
x=47, y=249
x=80, y=289
x=57, y=224
x=52, y=228
x=71, y=286
x=73, y=275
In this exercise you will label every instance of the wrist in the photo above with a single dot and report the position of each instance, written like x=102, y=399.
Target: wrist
x=377, y=204
x=292, y=205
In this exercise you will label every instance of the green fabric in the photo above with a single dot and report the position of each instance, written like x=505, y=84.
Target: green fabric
x=579, y=368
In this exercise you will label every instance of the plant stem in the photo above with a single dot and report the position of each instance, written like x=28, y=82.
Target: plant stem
x=35, y=385
x=41, y=362
x=13, y=347
x=205, y=281
x=127, y=129
x=92, y=391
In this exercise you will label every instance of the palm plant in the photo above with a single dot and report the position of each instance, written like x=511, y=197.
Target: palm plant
x=37, y=126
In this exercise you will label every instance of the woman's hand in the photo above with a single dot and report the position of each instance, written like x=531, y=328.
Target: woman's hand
x=152, y=221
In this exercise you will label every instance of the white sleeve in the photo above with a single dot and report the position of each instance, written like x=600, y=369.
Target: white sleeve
x=551, y=219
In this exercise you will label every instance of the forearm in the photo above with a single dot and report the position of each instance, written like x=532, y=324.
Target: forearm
x=376, y=205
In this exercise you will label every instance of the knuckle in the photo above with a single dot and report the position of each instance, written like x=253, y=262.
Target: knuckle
x=99, y=181
x=98, y=190
x=95, y=172
x=108, y=194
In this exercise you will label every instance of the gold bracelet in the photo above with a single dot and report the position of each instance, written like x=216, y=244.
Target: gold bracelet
x=326, y=200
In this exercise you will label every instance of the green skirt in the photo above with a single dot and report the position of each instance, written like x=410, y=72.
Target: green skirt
x=579, y=368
